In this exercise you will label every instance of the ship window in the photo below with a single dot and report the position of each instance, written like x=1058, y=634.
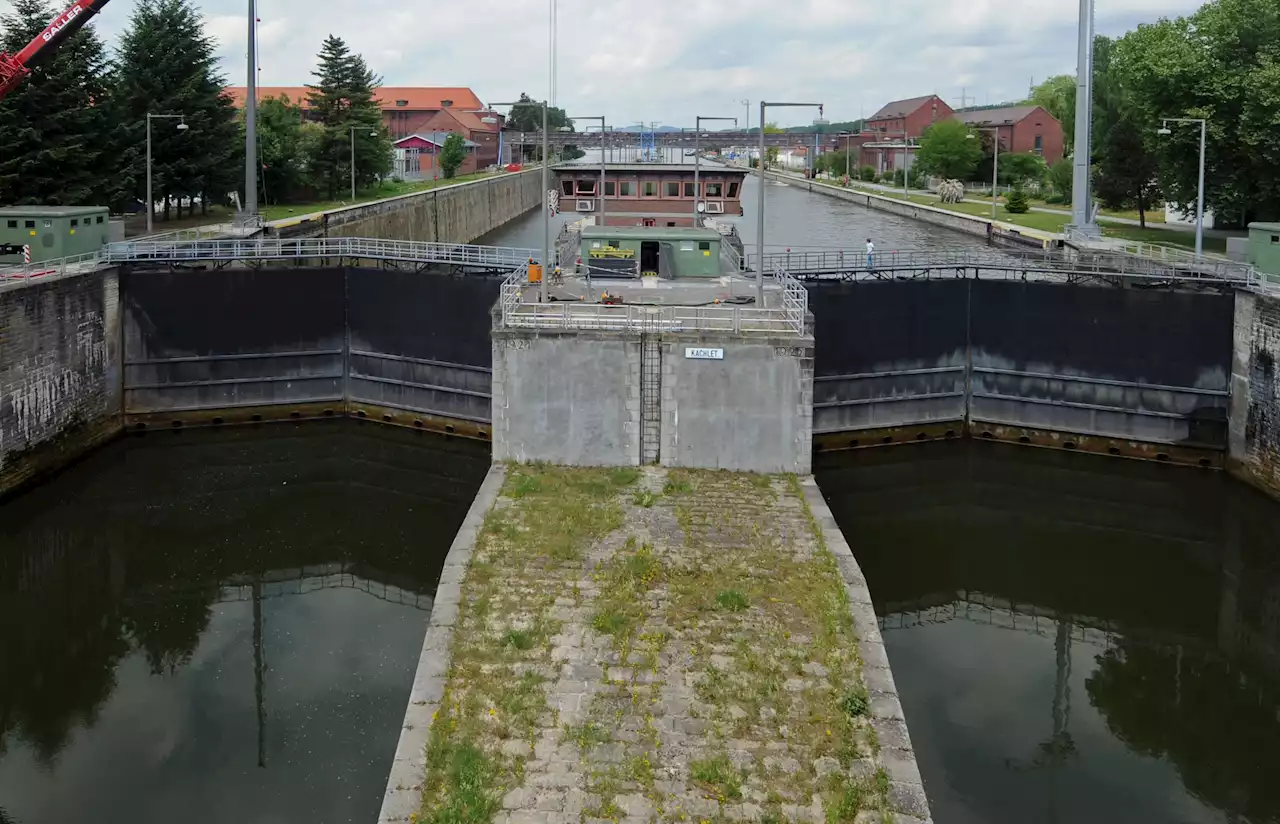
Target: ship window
x=704, y=246
x=99, y=220
x=651, y=188
x=733, y=189
x=13, y=224
x=671, y=223
x=1039, y=144
x=688, y=189
x=29, y=224
x=586, y=187
x=609, y=188
x=567, y=187
x=715, y=189
x=75, y=222
x=672, y=189
x=627, y=188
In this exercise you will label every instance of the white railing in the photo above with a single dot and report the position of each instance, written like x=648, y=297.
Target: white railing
x=462, y=254
x=795, y=299
x=511, y=293
x=21, y=273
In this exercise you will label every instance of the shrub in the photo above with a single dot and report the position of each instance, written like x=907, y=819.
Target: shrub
x=1016, y=202
x=867, y=173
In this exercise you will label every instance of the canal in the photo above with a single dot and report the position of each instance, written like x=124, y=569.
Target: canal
x=1074, y=638
x=794, y=219
x=221, y=625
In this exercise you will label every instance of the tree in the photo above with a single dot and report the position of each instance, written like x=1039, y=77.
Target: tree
x=168, y=65
x=771, y=152
x=1019, y=168
x=1057, y=96
x=1016, y=202
x=1061, y=176
x=53, y=138
x=284, y=164
x=950, y=150
x=342, y=101
x=527, y=118
x=1219, y=63
x=1128, y=173
x=452, y=154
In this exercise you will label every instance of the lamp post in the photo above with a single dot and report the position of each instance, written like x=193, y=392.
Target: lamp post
x=602, y=158
x=546, y=207
x=995, y=162
x=372, y=133
x=697, y=132
x=182, y=127
x=764, y=106
x=1165, y=130
x=251, y=158
x=747, y=104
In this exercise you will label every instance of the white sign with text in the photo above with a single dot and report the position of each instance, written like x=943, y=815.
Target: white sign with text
x=698, y=353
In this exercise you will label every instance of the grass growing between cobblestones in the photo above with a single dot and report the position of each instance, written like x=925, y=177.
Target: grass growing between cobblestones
x=495, y=697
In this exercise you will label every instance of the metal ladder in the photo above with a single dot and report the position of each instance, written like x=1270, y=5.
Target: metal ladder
x=650, y=398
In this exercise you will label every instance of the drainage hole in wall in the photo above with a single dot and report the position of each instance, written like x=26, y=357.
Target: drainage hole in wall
x=328, y=413
x=1024, y=439
x=1206, y=462
x=920, y=436
x=256, y=418
x=418, y=424
x=295, y=414
x=386, y=419
x=177, y=424
x=1161, y=456
x=1069, y=445
x=1115, y=450
x=853, y=443
x=360, y=414
x=448, y=428
x=988, y=434
x=951, y=433
x=218, y=419
x=887, y=439
x=139, y=426
x=483, y=434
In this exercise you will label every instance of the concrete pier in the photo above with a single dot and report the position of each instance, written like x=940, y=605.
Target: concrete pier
x=640, y=645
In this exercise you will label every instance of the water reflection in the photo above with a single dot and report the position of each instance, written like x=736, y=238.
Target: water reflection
x=221, y=625
x=1075, y=638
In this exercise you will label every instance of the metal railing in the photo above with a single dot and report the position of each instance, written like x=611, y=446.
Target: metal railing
x=787, y=319
x=21, y=273
x=459, y=254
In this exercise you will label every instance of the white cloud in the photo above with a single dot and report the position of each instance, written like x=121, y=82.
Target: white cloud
x=668, y=60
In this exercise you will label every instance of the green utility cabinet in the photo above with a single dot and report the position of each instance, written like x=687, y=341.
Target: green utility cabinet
x=692, y=253
x=1264, y=248
x=53, y=231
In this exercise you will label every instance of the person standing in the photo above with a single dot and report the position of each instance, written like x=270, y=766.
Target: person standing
x=871, y=253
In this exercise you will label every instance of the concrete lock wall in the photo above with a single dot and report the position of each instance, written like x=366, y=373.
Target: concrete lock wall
x=593, y=399
x=1121, y=371
x=59, y=373
x=750, y=410
x=453, y=214
x=1255, y=384
x=568, y=398
x=248, y=345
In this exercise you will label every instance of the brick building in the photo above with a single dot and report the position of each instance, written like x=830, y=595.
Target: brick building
x=1020, y=129
x=409, y=110
x=417, y=155
x=891, y=136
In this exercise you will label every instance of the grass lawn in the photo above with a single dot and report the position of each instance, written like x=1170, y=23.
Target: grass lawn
x=1167, y=237
x=380, y=192
x=1156, y=216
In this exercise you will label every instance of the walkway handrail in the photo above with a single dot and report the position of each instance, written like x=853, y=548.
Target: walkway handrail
x=461, y=254
x=795, y=299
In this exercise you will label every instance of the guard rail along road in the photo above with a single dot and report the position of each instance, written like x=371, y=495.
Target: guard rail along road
x=787, y=319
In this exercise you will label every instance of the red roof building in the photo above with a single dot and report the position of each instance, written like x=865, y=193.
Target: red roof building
x=410, y=110
x=911, y=116
x=1020, y=129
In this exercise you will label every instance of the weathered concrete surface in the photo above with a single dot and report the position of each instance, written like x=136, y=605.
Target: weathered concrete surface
x=664, y=645
x=751, y=411
x=567, y=398
x=403, y=796
x=448, y=214
x=60, y=372
x=1255, y=386
x=1006, y=233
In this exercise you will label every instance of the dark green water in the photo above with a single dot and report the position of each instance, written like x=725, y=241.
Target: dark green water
x=1075, y=639
x=221, y=625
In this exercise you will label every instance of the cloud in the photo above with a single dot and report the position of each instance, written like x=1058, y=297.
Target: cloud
x=669, y=60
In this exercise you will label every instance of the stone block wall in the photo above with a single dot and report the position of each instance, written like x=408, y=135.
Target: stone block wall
x=1255, y=387
x=60, y=372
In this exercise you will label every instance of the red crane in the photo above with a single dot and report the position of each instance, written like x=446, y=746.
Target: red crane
x=15, y=67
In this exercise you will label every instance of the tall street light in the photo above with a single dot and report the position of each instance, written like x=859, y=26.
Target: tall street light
x=1082, y=221
x=697, y=133
x=251, y=118
x=747, y=104
x=372, y=133
x=995, y=161
x=182, y=127
x=602, y=158
x=546, y=207
x=1165, y=130
x=764, y=106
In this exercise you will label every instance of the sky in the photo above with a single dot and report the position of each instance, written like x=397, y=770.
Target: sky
x=671, y=60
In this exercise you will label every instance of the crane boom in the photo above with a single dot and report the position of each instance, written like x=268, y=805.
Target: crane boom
x=13, y=68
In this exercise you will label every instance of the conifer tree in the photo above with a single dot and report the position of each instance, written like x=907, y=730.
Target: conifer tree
x=342, y=98
x=53, y=126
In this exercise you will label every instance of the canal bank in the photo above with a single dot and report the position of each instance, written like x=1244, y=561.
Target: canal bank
x=649, y=644
x=214, y=626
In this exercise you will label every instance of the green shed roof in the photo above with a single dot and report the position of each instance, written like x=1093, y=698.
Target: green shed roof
x=50, y=211
x=1265, y=227
x=650, y=233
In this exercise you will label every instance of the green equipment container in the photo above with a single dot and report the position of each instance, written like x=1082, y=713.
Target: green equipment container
x=1264, y=248
x=672, y=252
x=53, y=231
